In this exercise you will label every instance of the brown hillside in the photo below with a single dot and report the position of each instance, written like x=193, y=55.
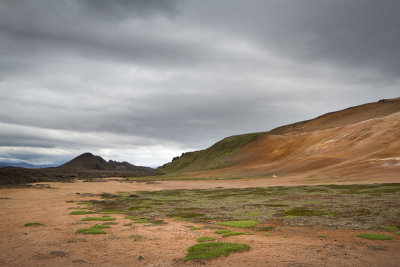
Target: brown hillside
x=343, y=117
x=358, y=141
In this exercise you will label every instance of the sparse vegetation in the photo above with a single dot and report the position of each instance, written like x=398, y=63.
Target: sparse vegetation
x=389, y=228
x=104, y=218
x=240, y=224
x=211, y=250
x=233, y=233
x=205, y=239
x=266, y=228
x=195, y=228
x=80, y=212
x=374, y=236
x=299, y=211
x=100, y=226
x=137, y=237
x=90, y=231
x=298, y=205
x=34, y=224
x=222, y=231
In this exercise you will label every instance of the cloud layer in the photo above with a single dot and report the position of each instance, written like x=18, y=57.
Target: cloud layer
x=145, y=80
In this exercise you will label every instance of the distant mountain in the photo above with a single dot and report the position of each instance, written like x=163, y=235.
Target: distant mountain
x=359, y=141
x=84, y=166
x=24, y=165
x=88, y=161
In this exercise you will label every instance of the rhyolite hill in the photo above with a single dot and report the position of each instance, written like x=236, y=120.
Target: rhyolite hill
x=358, y=141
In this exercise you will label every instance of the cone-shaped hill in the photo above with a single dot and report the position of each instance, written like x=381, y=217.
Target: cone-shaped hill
x=88, y=161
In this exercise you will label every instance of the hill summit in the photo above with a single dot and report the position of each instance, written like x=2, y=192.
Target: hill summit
x=88, y=161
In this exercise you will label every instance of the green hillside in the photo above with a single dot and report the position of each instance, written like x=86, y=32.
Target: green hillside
x=214, y=157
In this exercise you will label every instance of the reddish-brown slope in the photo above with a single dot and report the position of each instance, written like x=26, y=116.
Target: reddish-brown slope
x=369, y=147
x=347, y=116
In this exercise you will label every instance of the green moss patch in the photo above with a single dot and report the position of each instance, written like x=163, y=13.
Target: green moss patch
x=389, y=228
x=100, y=226
x=205, y=239
x=104, y=218
x=222, y=231
x=240, y=224
x=211, y=250
x=34, y=224
x=80, y=212
x=233, y=233
x=91, y=231
x=375, y=236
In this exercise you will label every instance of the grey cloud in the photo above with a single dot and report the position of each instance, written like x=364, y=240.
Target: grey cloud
x=147, y=80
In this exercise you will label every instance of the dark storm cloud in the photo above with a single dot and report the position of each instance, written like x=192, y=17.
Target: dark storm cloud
x=146, y=80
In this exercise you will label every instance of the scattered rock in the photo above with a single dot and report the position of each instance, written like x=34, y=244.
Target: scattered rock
x=59, y=253
x=77, y=193
x=140, y=258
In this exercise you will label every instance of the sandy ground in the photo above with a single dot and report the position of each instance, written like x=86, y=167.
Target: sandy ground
x=165, y=245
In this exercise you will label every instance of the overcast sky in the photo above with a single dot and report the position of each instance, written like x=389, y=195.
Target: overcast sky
x=145, y=80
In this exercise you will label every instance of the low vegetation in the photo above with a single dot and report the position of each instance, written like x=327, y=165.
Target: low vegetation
x=205, y=239
x=80, y=212
x=90, y=231
x=389, y=228
x=233, y=233
x=34, y=224
x=222, y=231
x=326, y=205
x=374, y=236
x=211, y=250
x=239, y=224
x=104, y=218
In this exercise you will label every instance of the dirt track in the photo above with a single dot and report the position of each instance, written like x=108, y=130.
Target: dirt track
x=166, y=245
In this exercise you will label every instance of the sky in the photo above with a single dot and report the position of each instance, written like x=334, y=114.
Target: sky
x=145, y=80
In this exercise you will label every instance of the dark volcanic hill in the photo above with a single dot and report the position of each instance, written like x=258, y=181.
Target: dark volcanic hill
x=88, y=161
x=84, y=166
x=358, y=141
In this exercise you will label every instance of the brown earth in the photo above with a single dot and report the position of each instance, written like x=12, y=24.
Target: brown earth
x=370, y=148
x=166, y=245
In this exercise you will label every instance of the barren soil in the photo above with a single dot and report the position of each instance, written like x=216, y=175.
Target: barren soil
x=165, y=245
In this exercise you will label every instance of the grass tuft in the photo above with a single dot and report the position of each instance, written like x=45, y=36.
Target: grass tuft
x=99, y=219
x=100, y=226
x=389, y=228
x=211, y=250
x=79, y=212
x=233, y=233
x=222, y=231
x=34, y=224
x=375, y=236
x=195, y=228
x=240, y=224
x=90, y=231
x=205, y=239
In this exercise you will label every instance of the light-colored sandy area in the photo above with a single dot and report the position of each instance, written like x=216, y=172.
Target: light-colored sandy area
x=165, y=245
